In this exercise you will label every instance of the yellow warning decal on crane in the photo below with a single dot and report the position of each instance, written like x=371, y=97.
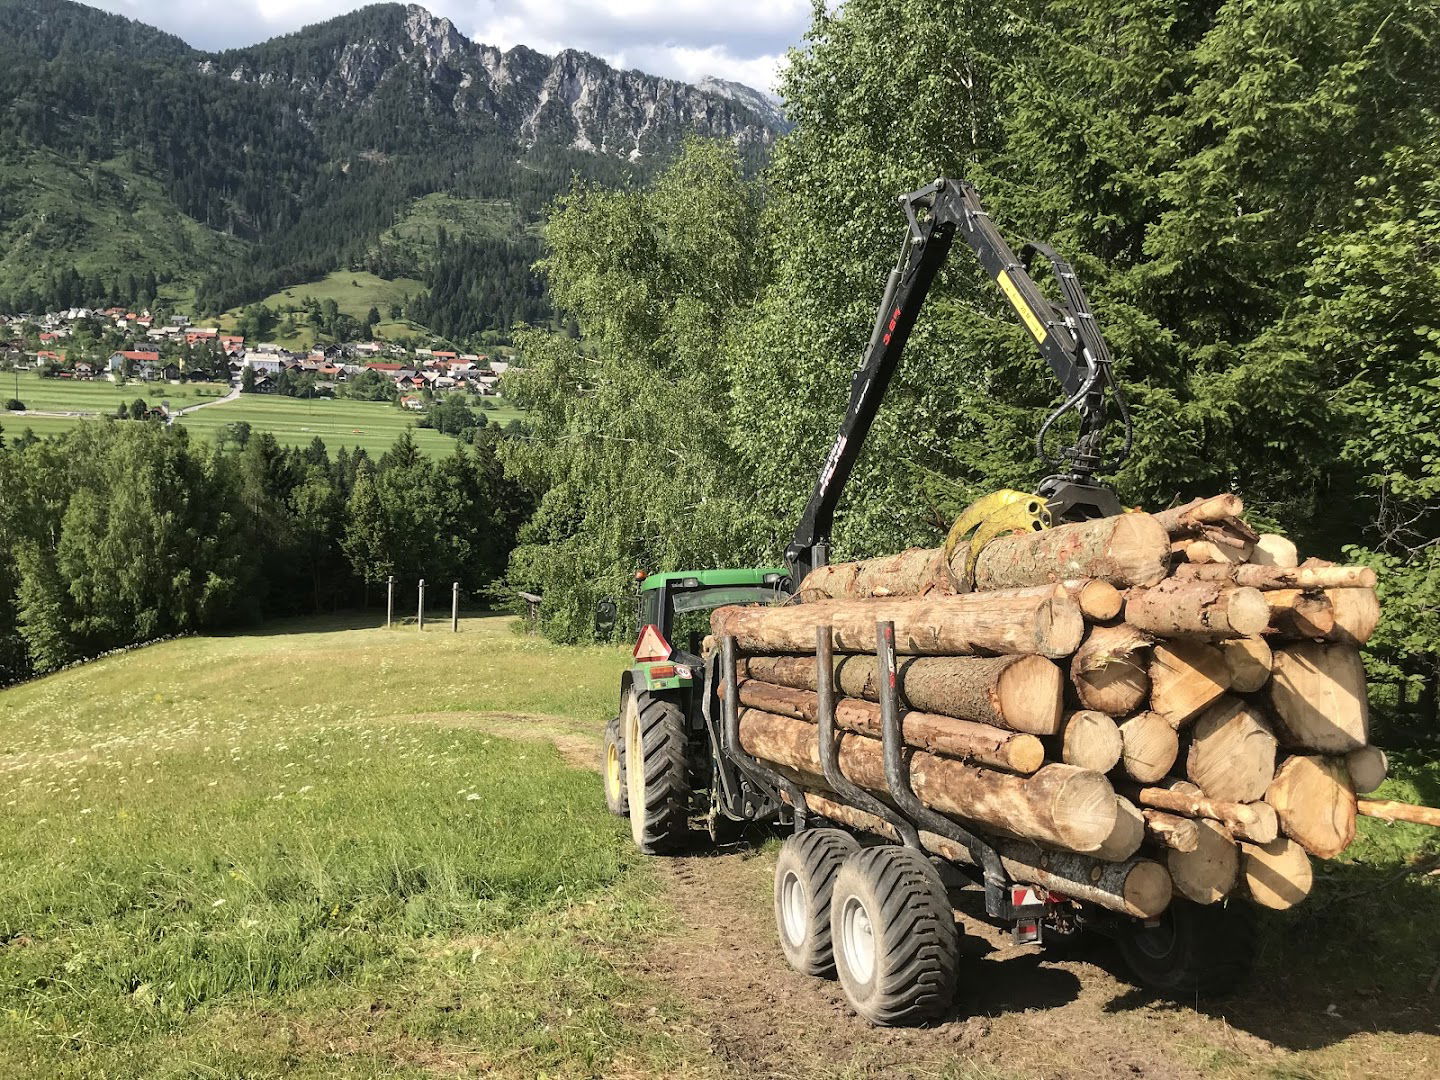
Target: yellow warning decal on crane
x=1031, y=320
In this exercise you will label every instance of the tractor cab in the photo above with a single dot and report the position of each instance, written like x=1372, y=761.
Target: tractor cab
x=674, y=617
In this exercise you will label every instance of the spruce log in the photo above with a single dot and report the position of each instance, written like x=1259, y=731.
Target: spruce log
x=1390, y=810
x=1232, y=752
x=1124, y=550
x=1138, y=887
x=1186, y=676
x=1368, y=767
x=963, y=739
x=1150, y=746
x=1277, y=875
x=1018, y=693
x=1316, y=804
x=1207, y=874
x=1281, y=577
x=1182, y=797
x=1197, y=609
x=1107, y=674
x=913, y=572
x=1300, y=613
x=1098, y=600
x=1124, y=839
x=1036, y=621
x=1248, y=661
x=1172, y=830
x=1272, y=549
x=1090, y=740
x=1357, y=613
x=1179, y=520
x=1060, y=805
x=1318, y=693
x=1207, y=552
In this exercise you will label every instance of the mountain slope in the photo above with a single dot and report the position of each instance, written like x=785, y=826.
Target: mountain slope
x=301, y=151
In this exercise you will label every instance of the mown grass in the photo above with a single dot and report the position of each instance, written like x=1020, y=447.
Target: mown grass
x=303, y=853
x=100, y=395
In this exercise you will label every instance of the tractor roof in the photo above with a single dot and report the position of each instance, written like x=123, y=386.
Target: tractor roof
x=702, y=579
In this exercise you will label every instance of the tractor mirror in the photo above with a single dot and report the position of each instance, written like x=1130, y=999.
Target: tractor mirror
x=605, y=612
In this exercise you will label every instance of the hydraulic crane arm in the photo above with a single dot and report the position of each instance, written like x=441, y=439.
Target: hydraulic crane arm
x=1066, y=334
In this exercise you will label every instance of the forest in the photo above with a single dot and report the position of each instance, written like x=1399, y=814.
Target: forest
x=1247, y=190
x=124, y=532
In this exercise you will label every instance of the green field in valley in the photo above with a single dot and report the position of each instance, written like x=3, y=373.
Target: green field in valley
x=354, y=292
x=100, y=395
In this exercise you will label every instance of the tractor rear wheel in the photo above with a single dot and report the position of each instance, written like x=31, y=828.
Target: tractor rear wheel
x=612, y=768
x=1192, y=950
x=805, y=874
x=657, y=773
x=894, y=934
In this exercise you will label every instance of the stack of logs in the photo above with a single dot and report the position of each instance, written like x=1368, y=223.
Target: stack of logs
x=1129, y=708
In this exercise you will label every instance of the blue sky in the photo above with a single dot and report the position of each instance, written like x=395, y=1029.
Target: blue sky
x=687, y=39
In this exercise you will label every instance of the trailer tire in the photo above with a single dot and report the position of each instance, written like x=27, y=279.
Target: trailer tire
x=612, y=769
x=1194, y=950
x=895, y=939
x=657, y=773
x=805, y=873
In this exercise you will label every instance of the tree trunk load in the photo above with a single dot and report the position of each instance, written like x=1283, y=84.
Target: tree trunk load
x=1150, y=747
x=913, y=572
x=1389, y=810
x=1034, y=621
x=1315, y=803
x=1300, y=613
x=1276, y=875
x=1182, y=520
x=1368, y=766
x=1171, y=830
x=1248, y=662
x=1090, y=740
x=1197, y=609
x=1278, y=577
x=1018, y=693
x=1125, y=838
x=1318, y=695
x=1357, y=613
x=1271, y=549
x=1125, y=550
x=1185, y=677
x=1109, y=673
x=1232, y=752
x=945, y=735
x=1208, y=873
x=1061, y=805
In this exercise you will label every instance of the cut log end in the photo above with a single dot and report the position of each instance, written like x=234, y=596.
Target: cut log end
x=1232, y=752
x=1207, y=874
x=1090, y=740
x=1315, y=803
x=1368, y=766
x=1150, y=746
x=1277, y=875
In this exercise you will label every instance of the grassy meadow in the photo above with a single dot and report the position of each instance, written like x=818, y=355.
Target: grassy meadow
x=100, y=395
x=309, y=851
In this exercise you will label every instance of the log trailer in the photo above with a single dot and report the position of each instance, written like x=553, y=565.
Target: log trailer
x=862, y=884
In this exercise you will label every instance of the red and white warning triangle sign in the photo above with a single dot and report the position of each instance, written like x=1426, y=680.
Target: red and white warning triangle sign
x=652, y=644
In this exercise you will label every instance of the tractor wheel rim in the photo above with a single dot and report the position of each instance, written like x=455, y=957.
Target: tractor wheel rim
x=858, y=936
x=793, y=905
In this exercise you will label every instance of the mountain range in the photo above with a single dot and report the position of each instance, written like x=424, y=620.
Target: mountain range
x=127, y=157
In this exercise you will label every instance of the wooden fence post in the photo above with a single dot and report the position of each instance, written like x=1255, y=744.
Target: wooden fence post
x=420, y=615
x=455, y=607
x=389, y=601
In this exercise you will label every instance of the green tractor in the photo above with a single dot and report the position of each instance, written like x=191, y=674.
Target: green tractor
x=658, y=766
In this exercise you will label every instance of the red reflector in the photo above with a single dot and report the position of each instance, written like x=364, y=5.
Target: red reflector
x=652, y=644
x=662, y=671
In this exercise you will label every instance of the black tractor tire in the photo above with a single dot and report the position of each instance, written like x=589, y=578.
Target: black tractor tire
x=1192, y=950
x=805, y=873
x=612, y=769
x=894, y=936
x=657, y=774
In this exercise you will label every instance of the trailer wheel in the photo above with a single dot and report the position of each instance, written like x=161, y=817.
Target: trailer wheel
x=804, y=881
x=895, y=940
x=656, y=773
x=612, y=768
x=1192, y=950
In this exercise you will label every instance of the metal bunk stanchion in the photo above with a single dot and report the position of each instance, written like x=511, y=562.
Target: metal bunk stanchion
x=897, y=779
x=751, y=765
x=830, y=749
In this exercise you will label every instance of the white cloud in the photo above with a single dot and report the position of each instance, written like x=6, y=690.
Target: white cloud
x=684, y=39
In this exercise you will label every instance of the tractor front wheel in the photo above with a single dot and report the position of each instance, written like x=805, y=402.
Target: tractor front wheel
x=612, y=768
x=656, y=773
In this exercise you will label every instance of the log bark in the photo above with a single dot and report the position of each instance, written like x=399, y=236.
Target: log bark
x=1276, y=875
x=1018, y=693
x=962, y=739
x=1197, y=609
x=1318, y=694
x=1357, y=613
x=1059, y=805
x=1207, y=874
x=1125, y=550
x=914, y=572
x=1138, y=887
x=1300, y=613
x=1182, y=797
x=1179, y=520
x=1150, y=747
x=1315, y=803
x=1090, y=740
x=1389, y=810
x=1273, y=549
x=1125, y=838
x=1248, y=662
x=1232, y=752
x=1106, y=672
x=1186, y=676
x=1368, y=767
x=1280, y=577
x=1037, y=622
x=1172, y=830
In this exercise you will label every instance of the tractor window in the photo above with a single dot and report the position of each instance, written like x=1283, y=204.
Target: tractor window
x=709, y=599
